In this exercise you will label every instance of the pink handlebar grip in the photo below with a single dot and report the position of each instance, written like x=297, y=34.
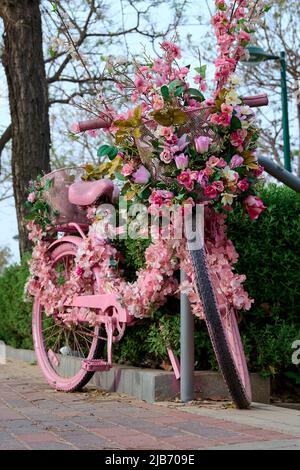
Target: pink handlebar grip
x=96, y=123
x=256, y=101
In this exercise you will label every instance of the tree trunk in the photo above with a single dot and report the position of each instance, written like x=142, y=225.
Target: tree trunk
x=28, y=99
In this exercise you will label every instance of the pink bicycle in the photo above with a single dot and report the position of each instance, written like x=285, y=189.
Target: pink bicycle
x=93, y=343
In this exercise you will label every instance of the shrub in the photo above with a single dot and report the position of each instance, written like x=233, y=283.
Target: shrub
x=15, y=314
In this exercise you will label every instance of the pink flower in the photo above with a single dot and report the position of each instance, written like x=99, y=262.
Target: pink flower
x=127, y=169
x=75, y=128
x=259, y=171
x=141, y=176
x=160, y=197
x=202, y=178
x=141, y=84
x=221, y=4
x=210, y=191
x=202, y=144
x=157, y=102
x=218, y=185
x=79, y=271
x=243, y=184
x=212, y=161
x=226, y=108
x=181, y=161
x=222, y=163
x=244, y=36
x=238, y=137
x=31, y=197
x=236, y=161
x=166, y=155
x=185, y=179
x=254, y=206
x=224, y=119
x=172, y=49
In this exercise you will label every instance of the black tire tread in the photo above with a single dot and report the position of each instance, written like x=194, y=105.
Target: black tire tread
x=216, y=330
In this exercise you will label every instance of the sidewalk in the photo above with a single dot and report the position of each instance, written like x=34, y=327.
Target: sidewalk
x=33, y=416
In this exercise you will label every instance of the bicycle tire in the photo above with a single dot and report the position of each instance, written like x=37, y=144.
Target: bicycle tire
x=55, y=380
x=239, y=389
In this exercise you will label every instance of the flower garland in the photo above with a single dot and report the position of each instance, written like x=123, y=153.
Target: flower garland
x=154, y=283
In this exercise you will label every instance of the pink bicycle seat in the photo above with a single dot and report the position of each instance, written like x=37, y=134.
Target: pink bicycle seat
x=85, y=193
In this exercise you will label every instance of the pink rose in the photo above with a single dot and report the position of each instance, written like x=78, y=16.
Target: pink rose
x=254, y=206
x=222, y=163
x=236, y=161
x=243, y=184
x=226, y=108
x=238, y=137
x=127, y=169
x=212, y=161
x=202, y=144
x=210, y=191
x=185, y=179
x=141, y=176
x=166, y=156
x=31, y=197
x=160, y=197
x=218, y=185
x=259, y=171
x=181, y=161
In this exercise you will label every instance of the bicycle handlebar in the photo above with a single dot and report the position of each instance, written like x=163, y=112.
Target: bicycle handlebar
x=256, y=101
x=105, y=122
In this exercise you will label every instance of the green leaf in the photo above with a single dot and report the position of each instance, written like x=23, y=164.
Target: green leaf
x=165, y=92
x=179, y=91
x=175, y=83
x=120, y=176
x=195, y=92
x=52, y=52
x=108, y=150
x=201, y=70
x=235, y=123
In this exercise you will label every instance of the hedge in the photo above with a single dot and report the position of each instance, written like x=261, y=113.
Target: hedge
x=269, y=251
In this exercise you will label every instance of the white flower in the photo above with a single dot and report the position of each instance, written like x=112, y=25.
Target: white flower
x=245, y=124
x=235, y=80
x=228, y=174
x=246, y=110
x=227, y=199
x=232, y=98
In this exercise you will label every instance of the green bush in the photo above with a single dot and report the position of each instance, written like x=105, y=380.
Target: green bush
x=269, y=251
x=15, y=314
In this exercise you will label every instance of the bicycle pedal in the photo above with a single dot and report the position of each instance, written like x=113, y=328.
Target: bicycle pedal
x=95, y=365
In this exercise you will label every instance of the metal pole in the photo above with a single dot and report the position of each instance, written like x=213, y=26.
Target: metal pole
x=285, y=114
x=291, y=180
x=186, y=347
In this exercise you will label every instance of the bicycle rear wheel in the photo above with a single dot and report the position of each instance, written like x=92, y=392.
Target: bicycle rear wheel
x=223, y=331
x=59, y=347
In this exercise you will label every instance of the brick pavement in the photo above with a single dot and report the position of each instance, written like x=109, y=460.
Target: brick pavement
x=33, y=416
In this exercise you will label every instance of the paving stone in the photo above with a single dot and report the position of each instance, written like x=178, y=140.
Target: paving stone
x=33, y=416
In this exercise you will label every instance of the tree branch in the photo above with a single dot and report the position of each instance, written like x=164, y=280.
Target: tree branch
x=4, y=139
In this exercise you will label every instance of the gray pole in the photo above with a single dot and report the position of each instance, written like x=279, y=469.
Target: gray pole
x=280, y=173
x=186, y=347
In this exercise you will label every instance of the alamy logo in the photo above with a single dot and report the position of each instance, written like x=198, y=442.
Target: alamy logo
x=296, y=354
x=2, y=353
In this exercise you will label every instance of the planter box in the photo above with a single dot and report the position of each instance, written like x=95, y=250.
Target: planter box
x=154, y=385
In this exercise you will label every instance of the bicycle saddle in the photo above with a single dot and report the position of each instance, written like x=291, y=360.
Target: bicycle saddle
x=84, y=193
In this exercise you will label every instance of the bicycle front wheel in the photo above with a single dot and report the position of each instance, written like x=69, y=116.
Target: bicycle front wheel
x=60, y=347
x=224, y=333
